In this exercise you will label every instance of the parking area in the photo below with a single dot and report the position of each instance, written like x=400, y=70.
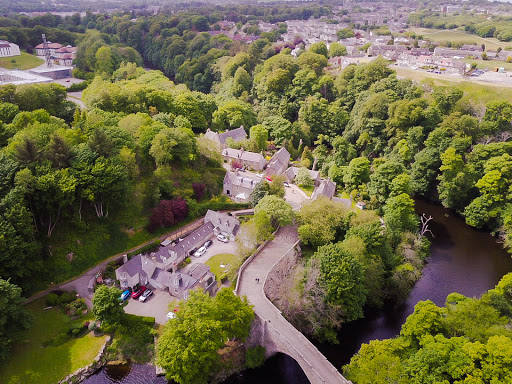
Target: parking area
x=156, y=306
x=216, y=248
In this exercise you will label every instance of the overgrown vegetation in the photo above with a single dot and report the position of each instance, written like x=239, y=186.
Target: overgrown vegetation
x=468, y=340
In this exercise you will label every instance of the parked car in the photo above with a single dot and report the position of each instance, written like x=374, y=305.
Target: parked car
x=145, y=295
x=192, y=252
x=139, y=291
x=222, y=238
x=200, y=252
x=125, y=295
x=171, y=315
x=286, y=184
x=208, y=244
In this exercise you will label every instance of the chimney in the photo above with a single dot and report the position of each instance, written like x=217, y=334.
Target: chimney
x=125, y=259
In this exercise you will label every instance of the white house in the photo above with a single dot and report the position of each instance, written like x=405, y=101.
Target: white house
x=8, y=49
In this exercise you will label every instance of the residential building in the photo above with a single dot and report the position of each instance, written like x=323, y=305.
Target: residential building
x=9, y=49
x=326, y=188
x=223, y=223
x=239, y=185
x=291, y=174
x=252, y=160
x=65, y=55
x=159, y=269
x=457, y=53
x=52, y=47
x=278, y=164
x=237, y=135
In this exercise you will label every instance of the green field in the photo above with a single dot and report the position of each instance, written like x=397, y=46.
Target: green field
x=307, y=190
x=456, y=36
x=25, y=61
x=490, y=64
x=480, y=93
x=32, y=363
x=230, y=262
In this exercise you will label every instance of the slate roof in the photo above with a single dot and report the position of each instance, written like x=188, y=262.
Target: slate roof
x=223, y=221
x=326, y=188
x=280, y=160
x=132, y=266
x=237, y=134
x=243, y=155
x=291, y=173
x=241, y=180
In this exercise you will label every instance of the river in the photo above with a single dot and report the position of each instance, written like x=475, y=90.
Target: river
x=462, y=259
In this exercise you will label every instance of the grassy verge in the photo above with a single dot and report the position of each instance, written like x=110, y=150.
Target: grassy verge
x=32, y=363
x=224, y=265
x=472, y=89
x=490, y=64
x=307, y=190
x=456, y=36
x=25, y=61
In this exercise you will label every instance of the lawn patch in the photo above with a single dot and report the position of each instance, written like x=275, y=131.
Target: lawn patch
x=32, y=363
x=24, y=61
x=224, y=265
x=307, y=190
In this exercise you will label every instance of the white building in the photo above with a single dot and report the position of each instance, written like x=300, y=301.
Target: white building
x=52, y=47
x=9, y=49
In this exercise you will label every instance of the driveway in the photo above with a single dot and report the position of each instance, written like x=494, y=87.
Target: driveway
x=295, y=196
x=156, y=306
x=216, y=248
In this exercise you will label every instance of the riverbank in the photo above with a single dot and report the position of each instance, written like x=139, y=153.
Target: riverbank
x=462, y=259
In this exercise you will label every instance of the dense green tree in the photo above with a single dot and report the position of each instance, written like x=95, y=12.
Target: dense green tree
x=13, y=318
x=357, y=173
x=188, y=347
x=280, y=211
x=342, y=275
x=322, y=221
x=105, y=305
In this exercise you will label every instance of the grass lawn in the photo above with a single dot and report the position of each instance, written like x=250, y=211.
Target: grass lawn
x=479, y=92
x=25, y=61
x=490, y=64
x=230, y=263
x=32, y=363
x=307, y=190
x=456, y=36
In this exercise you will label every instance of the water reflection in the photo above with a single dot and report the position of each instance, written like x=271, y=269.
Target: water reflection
x=126, y=374
x=279, y=369
x=462, y=259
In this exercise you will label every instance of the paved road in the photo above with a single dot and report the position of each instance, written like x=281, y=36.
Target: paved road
x=314, y=364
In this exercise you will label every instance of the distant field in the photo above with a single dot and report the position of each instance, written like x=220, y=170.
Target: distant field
x=490, y=64
x=456, y=36
x=25, y=61
x=473, y=90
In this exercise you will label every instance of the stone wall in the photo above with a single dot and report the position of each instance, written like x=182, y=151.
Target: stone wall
x=280, y=273
x=83, y=373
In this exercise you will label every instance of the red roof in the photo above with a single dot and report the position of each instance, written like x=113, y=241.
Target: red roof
x=50, y=45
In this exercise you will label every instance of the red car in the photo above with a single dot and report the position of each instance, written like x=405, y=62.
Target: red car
x=139, y=291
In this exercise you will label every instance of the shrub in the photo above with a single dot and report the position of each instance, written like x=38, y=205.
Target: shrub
x=67, y=297
x=76, y=87
x=92, y=326
x=51, y=299
x=255, y=357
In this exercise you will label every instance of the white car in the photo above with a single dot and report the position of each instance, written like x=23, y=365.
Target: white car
x=171, y=315
x=145, y=295
x=200, y=251
x=222, y=238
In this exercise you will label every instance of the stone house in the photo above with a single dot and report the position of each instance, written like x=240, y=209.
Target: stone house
x=326, y=188
x=159, y=269
x=237, y=134
x=239, y=185
x=291, y=174
x=223, y=223
x=52, y=47
x=278, y=164
x=252, y=160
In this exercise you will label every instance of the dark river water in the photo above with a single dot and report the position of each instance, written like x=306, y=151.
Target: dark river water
x=462, y=260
